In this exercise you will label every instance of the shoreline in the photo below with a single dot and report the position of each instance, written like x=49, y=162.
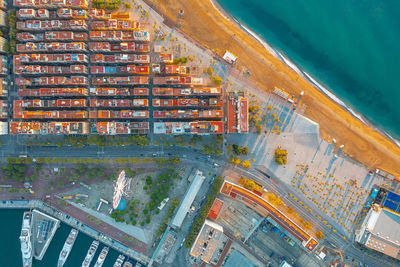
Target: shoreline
x=362, y=142
x=301, y=72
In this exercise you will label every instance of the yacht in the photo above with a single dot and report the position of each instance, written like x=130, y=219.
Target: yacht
x=119, y=261
x=90, y=254
x=25, y=238
x=102, y=257
x=67, y=247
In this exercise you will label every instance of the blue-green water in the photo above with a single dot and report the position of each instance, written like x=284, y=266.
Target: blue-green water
x=351, y=47
x=10, y=249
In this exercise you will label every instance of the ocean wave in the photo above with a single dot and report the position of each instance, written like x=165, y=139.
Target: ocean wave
x=304, y=74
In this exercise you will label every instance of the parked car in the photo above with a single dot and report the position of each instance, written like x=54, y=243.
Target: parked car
x=290, y=241
x=275, y=230
x=272, y=254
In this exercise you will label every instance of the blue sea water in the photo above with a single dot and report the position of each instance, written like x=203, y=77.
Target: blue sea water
x=351, y=47
x=10, y=249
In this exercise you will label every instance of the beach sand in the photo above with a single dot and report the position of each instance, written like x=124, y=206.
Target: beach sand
x=205, y=24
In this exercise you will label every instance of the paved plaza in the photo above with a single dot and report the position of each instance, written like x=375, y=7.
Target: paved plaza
x=318, y=170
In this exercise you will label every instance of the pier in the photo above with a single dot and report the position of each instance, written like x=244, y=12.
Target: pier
x=43, y=229
x=67, y=219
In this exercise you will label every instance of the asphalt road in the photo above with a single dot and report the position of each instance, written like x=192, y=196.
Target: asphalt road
x=14, y=146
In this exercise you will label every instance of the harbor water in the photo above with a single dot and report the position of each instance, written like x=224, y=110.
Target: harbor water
x=10, y=249
x=351, y=47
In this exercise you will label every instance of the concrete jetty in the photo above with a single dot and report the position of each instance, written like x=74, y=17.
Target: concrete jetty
x=43, y=229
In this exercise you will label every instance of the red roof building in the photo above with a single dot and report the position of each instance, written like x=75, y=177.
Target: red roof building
x=49, y=58
x=68, y=13
x=114, y=127
x=171, y=69
x=30, y=13
x=129, y=69
x=194, y=127
x=115, y=24
x=238, y=117
x=53, y=92
x=51, y=3
x=43, y=69
x=98, y=14
x=166, y=58
x=215, y=209
x=61, y=13
x=3, y=87
x=115, y=103
x=119, y=91
x=118, y=114
x=3, y=64
x=48, y=115
x=3, y=109
x=43, y=25
x=54, y=80
x=52, y=36
x=142, y=48
x=119, y=58
x=188, y=102
x=172, y=80
x=109, y=80
x=119, y=36
x=127, y=47
x=156, y=102
x=17, y=127
x=55, y=103
x=100, y=46
x=167, y=91
x=188, y=114
x=51, y=47
x=48, y=127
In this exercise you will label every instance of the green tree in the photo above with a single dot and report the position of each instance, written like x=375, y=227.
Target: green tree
x=210, y=71
x=319, y=235
x=216, y=80
x=246, y=164
x=281, y=156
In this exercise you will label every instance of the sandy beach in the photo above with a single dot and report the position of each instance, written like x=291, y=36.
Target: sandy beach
x=205, y=24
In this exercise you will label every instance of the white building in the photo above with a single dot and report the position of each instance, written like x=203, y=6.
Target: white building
x=3, y=127
x=188, y=199
x=380, y=231
x=229, y=57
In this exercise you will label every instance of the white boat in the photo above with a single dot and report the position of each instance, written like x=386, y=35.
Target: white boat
x=128, y=263
x=25, y=238
x=119, y=261
x=67, y=247
x=90, y=254
x=102, y=257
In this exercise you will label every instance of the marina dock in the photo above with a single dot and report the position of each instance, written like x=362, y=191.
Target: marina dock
x=67, y=219
x=43, y=229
